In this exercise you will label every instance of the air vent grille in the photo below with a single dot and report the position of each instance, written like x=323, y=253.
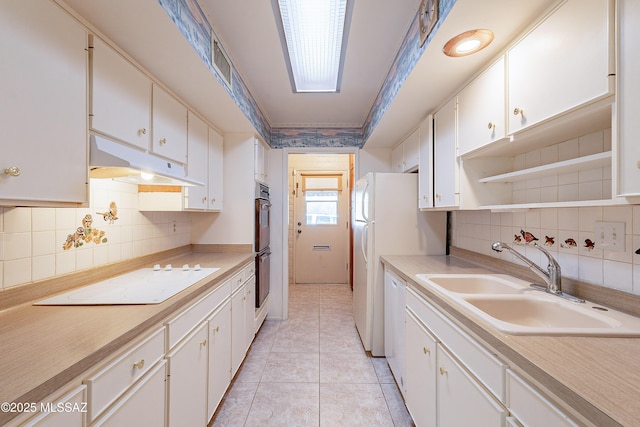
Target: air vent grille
x=221, y=62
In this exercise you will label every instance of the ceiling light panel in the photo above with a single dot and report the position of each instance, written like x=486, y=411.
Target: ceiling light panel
x=313, y=32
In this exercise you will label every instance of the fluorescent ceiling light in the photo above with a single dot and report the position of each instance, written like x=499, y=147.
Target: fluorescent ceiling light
x=313, y=31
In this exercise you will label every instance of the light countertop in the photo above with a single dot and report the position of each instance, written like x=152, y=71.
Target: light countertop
x=598, y=377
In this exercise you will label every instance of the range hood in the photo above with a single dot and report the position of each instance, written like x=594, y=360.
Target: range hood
x=110, y=159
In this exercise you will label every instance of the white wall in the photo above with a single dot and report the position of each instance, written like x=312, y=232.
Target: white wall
x=373, y=160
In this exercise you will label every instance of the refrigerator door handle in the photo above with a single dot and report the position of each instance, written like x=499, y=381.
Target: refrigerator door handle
x=363, y=242
x=365, y=197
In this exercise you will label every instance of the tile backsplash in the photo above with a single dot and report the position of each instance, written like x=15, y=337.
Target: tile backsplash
x=568, y=233
x=32, y=239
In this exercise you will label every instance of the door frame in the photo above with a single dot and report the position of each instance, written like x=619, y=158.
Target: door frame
x=284, y=187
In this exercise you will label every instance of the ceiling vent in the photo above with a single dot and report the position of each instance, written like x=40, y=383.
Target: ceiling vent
x=220, y=61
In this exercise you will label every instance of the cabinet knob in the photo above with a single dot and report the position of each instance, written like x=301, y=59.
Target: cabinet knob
x=216, y=329
x=139, y=365
x=163, y=141
x=204, y=200
x=425, y=350
x=12, y=171
x=518, y=111
x=491, y=126
x=443, y=371
x=637, y=165
x=142, y=131
x=203, y=343
x=213, y=200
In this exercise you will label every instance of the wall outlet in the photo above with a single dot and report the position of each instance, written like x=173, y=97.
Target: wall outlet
x=610, y=235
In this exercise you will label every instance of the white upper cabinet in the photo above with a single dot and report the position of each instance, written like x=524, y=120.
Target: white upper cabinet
x=628, y=101
x=169, y=126
x=481, y=110
x=561, y=64
x=121, y=96
x=43, y=105
x=261, y=159
x=425, y=169
x=198, y=152
x=216, y=152
x=446, y=174
x=406, y=156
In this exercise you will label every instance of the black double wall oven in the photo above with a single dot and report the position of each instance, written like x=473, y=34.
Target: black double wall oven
x=262, y=220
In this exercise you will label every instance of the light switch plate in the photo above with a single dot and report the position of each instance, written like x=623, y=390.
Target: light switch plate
x=610, y=235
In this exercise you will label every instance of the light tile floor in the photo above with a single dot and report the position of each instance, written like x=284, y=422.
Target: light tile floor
x=311, y=370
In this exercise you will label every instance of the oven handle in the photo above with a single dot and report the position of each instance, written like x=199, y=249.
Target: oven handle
x=266, y=206
x=263, y=256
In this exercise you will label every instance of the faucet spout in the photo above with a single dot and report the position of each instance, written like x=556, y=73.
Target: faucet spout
x=552, y=276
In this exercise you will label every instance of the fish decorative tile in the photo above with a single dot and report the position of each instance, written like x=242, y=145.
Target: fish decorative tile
x=528, y=237
x=638, y=251
x=569, y=243
x=549, y=241
x=589, y=244
x=517, y=239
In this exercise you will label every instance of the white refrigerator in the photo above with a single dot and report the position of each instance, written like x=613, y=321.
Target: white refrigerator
x=387, y=222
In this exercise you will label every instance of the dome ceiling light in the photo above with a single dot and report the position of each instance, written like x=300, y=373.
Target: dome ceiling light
x=468, y=43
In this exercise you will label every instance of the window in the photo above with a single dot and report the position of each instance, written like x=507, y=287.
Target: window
x=321, y=192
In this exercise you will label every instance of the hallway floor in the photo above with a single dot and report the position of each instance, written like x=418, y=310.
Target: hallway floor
x=311, y=370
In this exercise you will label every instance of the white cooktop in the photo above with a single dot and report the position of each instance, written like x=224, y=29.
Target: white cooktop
x=144, y=286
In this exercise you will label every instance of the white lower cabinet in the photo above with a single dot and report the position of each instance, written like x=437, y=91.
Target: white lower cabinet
x=60, y=413
x=219, y=356
x=457, y=387
x=238, y=327
x=394, y=337
x=530, y=407
x=453, y=380
x=420, y=385
x=187, y=380
x=144, y=404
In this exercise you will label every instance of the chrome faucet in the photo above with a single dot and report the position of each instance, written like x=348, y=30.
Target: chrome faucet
x=551, y=276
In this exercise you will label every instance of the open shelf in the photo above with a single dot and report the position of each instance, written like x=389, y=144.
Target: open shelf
x=565, y=166
x=568, y=204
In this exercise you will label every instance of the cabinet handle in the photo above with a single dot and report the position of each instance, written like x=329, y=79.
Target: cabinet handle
x=203, y=343
x=163, y=141
x=204, y=200
x=491, y=125
x=142, y=131
x=636, y=165
x=216, y=329
x=443, y=371
x=517, y=111
x=12, y=171
x=213, y=200
x=426, y=350
x=139, y=365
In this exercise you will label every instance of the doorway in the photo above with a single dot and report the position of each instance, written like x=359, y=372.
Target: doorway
x=319, y=218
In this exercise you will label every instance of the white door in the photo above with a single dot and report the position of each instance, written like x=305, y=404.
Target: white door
x=321, y=227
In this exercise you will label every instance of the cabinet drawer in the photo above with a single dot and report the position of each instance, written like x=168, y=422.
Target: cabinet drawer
x=248, y=271
x=530, y=407
x=485, y=366
x=142, y=405
x=183, y=323
x=108, y=384
x=68, y=411
x=237, y=280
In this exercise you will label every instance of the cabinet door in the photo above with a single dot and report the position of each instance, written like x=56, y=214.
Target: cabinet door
x=197, y=166
x=219, y=356
x=420, y=394
x=121, y=96
x=481, y=108
x=396, y=159
x=628, y=101
x=411, y=152
x=446, y=173
x=188, y=380
x=394, y=343
x=215, y=170
x=169, y=126
x=562, y=64
x=425, y=169
x=455, y=388
x=63, y=418
x=238, y=328
x=144, y=405
x=250, y=312
x=43, y=99
x=261, y=161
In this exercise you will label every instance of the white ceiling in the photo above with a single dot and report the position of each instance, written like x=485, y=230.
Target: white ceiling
x=248, y=32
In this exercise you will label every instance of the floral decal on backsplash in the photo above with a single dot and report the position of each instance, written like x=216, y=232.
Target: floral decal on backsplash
x=526, y=237
x=87, y=233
